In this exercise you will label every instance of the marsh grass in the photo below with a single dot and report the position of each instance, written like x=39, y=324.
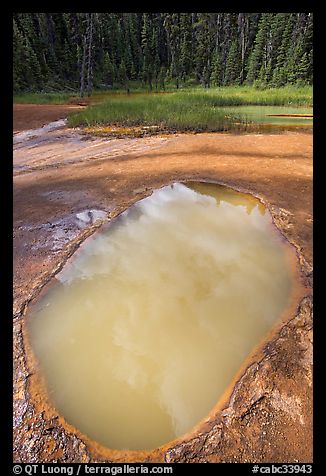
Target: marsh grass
x=245, y=96
x=175, y=111
x=185, y=110
x=44, y=98
x=182, y=110
x=222, y=96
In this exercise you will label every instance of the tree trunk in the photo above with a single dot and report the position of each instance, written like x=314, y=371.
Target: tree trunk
x=89, y=53
x=82, y=71
x=86, y=67
x=241, y=21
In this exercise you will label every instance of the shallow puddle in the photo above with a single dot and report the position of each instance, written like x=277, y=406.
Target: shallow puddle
x=149, y=321
x=275, y=115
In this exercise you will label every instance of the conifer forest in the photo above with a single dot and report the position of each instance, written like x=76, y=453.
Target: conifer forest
x=82, y=51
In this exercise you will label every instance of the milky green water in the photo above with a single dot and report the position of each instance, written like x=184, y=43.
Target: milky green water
x=270, y=115
x=151, y=318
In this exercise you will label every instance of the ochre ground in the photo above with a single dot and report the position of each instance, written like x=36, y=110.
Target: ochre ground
x=30, y=116
x=267, y=416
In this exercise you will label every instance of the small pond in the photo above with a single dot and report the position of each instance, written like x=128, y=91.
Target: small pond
x=275, y=115
x=147, y=324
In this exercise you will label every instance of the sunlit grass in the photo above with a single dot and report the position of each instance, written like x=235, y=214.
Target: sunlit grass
x=174, y=111
x=193, y=109
x=244, y=95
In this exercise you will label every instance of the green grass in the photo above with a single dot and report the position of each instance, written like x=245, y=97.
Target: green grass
x=223, y=96
x=43, y=98
x=192, y=109
x=245, y=96
x=173, y=111
x=227, y=96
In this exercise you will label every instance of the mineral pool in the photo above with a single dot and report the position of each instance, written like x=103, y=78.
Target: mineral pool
x=148, y=322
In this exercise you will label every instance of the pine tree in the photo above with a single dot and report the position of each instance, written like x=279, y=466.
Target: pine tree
x=155, y=55
x=18, y=60
x=204, y=46
x=108, y=70
x=135, y=46
x=147, y=55
x=185, y=45
x=216, y=69
x=303, y=69
x=172, y=27
x=133, y=72
x=122, y=75
x=86, y=73
x=258, y=56
x=162, y=77
x=298, y=64
x=58, y=50
x=32, y=68
x=233, y=65
x=280, y=71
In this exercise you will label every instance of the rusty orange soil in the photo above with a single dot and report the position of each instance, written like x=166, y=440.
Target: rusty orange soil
x=31, y=116
x=267, y=414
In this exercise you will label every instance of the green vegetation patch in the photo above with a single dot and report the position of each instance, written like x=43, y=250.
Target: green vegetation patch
x=44, y=98
x=248, y=95
x=174, y=111
x=199, y=110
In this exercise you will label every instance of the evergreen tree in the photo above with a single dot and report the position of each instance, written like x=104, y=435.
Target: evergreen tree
x=122, y=75
x=108, y=70
x=162, y=77
x=54, y=51
x=279, y=77
x=155, y=55
x=172, y=26
x=303, y=69
x=258, y=57
x=135, y=46
x=216, y=69
x=204, y=46
x=233, y=65
x=147, y=72
x=86, y=73
x=185, y=45
x=18, y=60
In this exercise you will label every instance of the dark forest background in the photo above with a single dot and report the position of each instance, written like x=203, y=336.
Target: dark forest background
x=82, y=51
